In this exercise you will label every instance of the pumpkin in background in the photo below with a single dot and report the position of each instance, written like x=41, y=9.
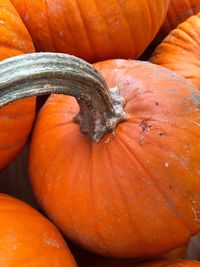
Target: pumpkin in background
x=132, y=192
x=170, y=263
x=15, y=119
x=28, y=238
x=180, y=50
x=93, y=30
x=179, y=10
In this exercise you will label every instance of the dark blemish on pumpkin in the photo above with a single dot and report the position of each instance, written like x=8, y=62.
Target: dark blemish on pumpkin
x=156, y=103
x=173, y=90
x=194, y=99
x=162, y=133
x=145, y=126
x=170, y=187
x=172, y=207
x=148, y=91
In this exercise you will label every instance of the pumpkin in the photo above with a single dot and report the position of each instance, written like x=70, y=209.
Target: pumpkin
x=180, y=50
x=15, y=119
x=179, y=10
x=28, y=238
x=93, y=30
x=120, y=177
x=170, y=263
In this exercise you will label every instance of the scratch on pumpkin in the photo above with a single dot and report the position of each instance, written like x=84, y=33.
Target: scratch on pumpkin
x=196, y=215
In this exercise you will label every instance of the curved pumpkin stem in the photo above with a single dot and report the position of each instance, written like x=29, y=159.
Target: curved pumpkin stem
x=37, y=74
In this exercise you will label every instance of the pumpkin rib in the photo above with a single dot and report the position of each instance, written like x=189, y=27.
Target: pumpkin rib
x=107, y=33
x=48, y=166
x=162, y=193
x=92, y=48
x=126, y=205
x=137, y=228
x=150, y=15
x=128, y=26
x=48, y=25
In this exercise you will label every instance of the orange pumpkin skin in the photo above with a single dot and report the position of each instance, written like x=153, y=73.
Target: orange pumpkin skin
x=170, y=263
x=135, y=193
x=28, y=238
x=180, y=50
x=179, y=10
x=93, y=30
x=15, y=119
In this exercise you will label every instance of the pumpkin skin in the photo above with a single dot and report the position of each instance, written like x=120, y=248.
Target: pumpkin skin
x=170, y=263
x=28, y=238
x=180, y=50
x=107, y=29
x=104, y=196
x=15, y=119
x=179, y=10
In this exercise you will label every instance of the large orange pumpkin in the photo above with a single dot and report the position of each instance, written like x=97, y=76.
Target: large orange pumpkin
x=132, y=192
x=93, y=30
x=180, y=50
x=15, y=119
x=28, y=238
x=170, y=263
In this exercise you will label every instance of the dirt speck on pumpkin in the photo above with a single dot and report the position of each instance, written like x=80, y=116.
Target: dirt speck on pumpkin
x=166, y=164
x=107, y=141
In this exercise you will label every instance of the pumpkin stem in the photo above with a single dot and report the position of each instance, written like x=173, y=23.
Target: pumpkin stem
x=37, y=74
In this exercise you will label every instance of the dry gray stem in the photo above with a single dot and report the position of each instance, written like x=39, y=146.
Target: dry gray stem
x=37, y=74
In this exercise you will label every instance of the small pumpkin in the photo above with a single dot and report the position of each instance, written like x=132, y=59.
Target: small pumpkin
x=170, y=263
x=93, y=30
x=120, y=177
x=15, y=119
x=180, y=50
x=28, y=238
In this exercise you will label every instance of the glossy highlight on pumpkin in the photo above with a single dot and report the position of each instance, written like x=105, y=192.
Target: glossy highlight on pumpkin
x=93, y=30
x=104, y=196
x=28, y=238
x=15, y=119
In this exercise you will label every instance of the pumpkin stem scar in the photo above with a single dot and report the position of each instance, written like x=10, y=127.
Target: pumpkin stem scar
x=37, y=74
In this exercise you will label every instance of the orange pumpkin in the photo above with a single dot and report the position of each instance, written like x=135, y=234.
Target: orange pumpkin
x=28, y=238
x=15, y=119
x=179, y=10
x=180, y=50
x=93, y=30
x=170, y=263
x=119, y=183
